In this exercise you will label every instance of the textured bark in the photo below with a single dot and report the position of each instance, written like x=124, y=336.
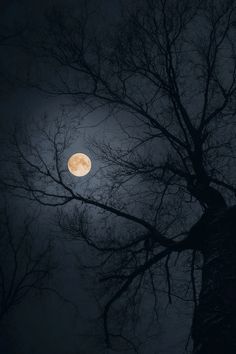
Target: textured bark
x=214, y=324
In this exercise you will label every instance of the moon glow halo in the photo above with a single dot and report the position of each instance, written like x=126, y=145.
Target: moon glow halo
x=79, y=164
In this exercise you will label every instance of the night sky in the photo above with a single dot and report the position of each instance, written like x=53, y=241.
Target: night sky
x=67, y=319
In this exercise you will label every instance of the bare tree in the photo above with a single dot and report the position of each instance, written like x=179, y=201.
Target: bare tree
x=176, y=88
x=24, y=268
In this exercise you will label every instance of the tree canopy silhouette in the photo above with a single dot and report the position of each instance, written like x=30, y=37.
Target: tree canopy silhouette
x=168, y=72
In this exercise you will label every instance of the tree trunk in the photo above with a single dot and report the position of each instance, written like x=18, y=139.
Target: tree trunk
x=214, y=323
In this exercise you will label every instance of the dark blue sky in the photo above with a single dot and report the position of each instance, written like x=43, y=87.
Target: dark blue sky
x=45, y=325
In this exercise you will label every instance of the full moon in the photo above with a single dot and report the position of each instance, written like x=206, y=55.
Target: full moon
x=79, y=164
